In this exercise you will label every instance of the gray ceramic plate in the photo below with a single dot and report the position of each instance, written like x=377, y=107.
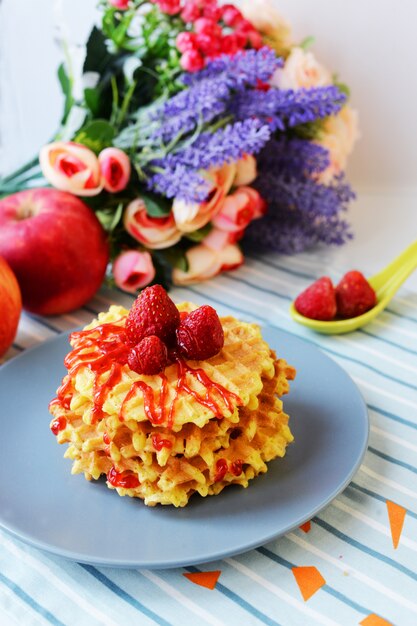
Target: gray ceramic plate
x=43, y=505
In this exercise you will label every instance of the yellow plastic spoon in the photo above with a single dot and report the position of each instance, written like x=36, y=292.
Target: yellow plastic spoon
x=386, y=283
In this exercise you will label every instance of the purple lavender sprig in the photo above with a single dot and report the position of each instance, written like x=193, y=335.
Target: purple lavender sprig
x=176, y=180
x=288, y=108
x=177, y=173
x=200, y=104
x=301, y=211
x=245, y=69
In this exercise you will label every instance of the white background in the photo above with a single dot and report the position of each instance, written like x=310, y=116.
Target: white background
x=370, y=43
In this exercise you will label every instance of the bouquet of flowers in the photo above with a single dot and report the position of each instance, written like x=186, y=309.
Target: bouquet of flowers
x=201, y=130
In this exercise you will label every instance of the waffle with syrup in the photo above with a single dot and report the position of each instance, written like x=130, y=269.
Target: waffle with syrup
x=199, y=446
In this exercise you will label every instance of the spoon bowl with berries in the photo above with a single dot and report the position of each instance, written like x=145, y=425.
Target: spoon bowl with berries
x=355, y=301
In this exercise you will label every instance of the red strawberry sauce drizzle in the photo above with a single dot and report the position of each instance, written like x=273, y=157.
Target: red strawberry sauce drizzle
x=221, y=470
x=159, y=443
x=106, y=347
x=59, y=424
x=124, y=480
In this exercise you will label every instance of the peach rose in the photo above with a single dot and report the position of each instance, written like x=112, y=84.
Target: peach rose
x=204, y=263
x=301, y=69
x=72, y=167
x=115, y=169
x=268, y=21
x=340, y=133
x=218, y=239
x=133, y=270
x=190, y=216
x=155, y=233
x=246, y=171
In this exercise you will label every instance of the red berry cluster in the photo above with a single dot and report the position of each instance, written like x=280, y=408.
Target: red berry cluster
x=156, y=329
x=215, y=30
x=350, y=298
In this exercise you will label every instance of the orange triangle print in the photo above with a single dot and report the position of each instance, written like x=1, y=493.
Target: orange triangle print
x=396, y=516
x=309, y=580
x=374, y=620
x=204, y=579
x=306, y=527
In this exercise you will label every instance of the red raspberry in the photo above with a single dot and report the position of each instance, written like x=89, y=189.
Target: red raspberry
x=231, y=15
x=185, y=41
x=205, y=26
x=318, y=302
x=229, y=44
x=354, y=295
x=192, y=61
x=152, y=313
x=208, y=44
x=191, y=11
x=255, y=39
x=149, y=357
x=200, y=335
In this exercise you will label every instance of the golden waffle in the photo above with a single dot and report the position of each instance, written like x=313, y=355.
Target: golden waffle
x=239, y=368
x=191, y=460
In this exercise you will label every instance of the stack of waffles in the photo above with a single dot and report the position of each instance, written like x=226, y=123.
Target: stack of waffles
x=197, y=427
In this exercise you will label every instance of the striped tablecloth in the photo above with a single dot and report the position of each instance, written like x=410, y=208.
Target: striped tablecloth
x=355, y=563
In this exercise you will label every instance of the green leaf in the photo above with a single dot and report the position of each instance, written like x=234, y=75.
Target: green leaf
x=198, y=235
x=92, y=100
x=343, y=88
x=97, y=56
x=109, y=218
x=307, y=43
x=96, y=135
x=175, y=257
x=156, y=206
x=66, y=87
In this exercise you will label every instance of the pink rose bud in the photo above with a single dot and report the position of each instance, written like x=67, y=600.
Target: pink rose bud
x=192, y=61
x=133, y=270
x=236, y=212
x=246, y=171
x=115, y=169
x=122, y=5
x=72, y=167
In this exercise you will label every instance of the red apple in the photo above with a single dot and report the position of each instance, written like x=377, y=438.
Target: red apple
x=11, y=306
x=56, y=247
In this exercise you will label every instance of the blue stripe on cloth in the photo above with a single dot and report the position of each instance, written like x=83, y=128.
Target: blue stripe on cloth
x=123, y=594
x=281, y=268
x=327, y=588
x=240, y=601
x=391, y=459
x=272, y=292
x=375, y=495
x=360, y=546
x=392, y=416
x=388, y=341
x=30, y=601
